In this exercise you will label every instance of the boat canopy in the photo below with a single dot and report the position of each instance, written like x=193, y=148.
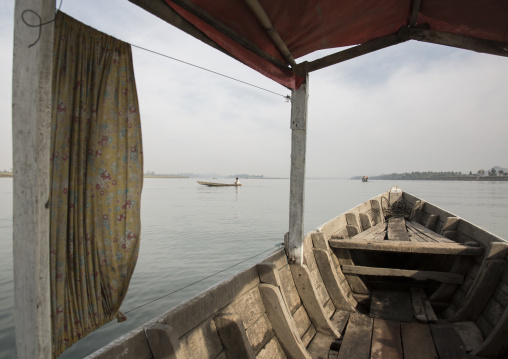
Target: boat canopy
x=268, y=35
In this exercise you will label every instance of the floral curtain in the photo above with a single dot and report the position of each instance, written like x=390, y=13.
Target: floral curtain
x=97, y=177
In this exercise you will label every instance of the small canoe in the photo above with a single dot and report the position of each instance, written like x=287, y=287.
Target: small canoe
x=216, y=184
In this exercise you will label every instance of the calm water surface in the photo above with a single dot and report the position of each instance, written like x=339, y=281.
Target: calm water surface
x=190, y=231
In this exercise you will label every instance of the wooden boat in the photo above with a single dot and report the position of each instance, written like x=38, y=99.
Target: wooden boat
x=216, y=184
x=392, y=276
x=332, y=287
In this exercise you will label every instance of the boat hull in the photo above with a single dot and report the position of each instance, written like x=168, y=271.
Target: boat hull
x=216, y=184
x=386, y=269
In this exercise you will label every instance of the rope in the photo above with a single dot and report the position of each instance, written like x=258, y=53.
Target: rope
x=40, y=24
x=200, y=280
x=286, y=97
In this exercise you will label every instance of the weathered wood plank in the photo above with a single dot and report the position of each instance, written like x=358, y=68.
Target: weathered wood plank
x=355, y=283
x=340, y=319
x=259, y=333
x=443, y=277
x=249, y=307
x=282, y=322
x=407, y=247
x=396, y=229
x=163, y=341
x=308, y=335
x=391, y=305
x=427, y=234
x=495, y=343
x=447, y=341
x=233, y=336
x=272, y=350
x=31, y=127
x=310, y=300
x=302, y=321
x=470, y=335
x=378, y=232
x=357, y=339
x=339, y=291
x=320, y=345
x=386, y=340
x=288, y=288
x=417, y=341
x=202, y=342
x=418, y=306
x=299, y=108
x=481, y=291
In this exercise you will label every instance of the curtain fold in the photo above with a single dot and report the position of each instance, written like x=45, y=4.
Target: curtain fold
x=97, y=177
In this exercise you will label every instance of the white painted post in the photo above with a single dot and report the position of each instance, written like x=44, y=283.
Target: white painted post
x=294, y=245
x=31, y=120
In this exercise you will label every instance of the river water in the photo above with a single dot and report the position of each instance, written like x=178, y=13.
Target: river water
x=190, y=232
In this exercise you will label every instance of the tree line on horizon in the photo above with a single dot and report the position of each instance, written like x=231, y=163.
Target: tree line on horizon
x=432, y=175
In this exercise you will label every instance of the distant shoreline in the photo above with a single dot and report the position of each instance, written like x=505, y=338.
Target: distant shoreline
x=164, y=176
x=457, y=178
x=6, y=174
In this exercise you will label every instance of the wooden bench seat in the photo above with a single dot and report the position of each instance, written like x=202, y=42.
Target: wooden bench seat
x=408, y=247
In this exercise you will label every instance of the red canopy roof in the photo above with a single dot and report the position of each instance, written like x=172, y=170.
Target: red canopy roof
x=309, y=25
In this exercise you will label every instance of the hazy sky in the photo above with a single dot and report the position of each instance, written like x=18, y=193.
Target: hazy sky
x=412, y=107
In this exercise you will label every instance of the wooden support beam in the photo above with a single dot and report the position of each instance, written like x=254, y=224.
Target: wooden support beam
x=226, y=30
x=263, y=18
x=31, y=120
x=407, y=247
x=414, y=12
x=453, y=40
x=299, y=99
x=443, y=277
x=356, y=51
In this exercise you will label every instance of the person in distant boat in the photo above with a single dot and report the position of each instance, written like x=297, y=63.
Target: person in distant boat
x=237, y=182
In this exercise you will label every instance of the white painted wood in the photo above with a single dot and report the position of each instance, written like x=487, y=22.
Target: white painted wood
x=31, y=119
x=299, y=101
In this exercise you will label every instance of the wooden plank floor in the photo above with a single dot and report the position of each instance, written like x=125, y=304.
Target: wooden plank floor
x=385, y=333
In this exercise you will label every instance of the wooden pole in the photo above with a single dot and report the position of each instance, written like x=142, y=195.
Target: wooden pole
x=31, y=119
x=294, y=244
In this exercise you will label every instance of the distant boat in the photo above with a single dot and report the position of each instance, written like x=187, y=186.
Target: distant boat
x=365, y=178
x=216, y=184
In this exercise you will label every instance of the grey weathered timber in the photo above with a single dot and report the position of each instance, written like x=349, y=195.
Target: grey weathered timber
x=340, y=292
x=351, y=53
x=163, y=341
x=357, y=338
x=447, y=341
x=31, y=120
x=299, y=100
x=495, y=344
x=453, y=40
x=484, y=284
x=282, y=322
x=426, y=234
x=407, y=247
x=396, y=230
x=310, y=301
x=233, y=336
x=417, y=341
x=470, y=334
x=443, y=277
x=386, y=341
x=391, y=305
x=422, y=309
x=378, y=232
